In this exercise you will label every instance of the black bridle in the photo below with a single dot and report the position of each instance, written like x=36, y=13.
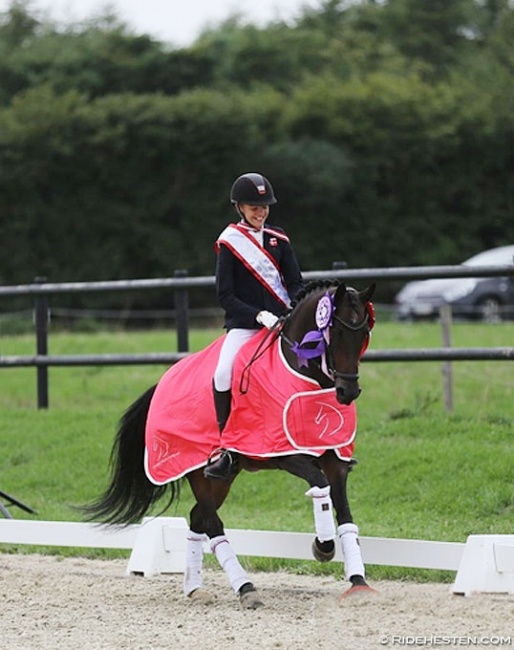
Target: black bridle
x=337, y=323
x=350, y=326
x=341, y=324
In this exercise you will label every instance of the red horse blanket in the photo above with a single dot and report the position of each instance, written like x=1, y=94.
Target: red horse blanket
x=275, y=411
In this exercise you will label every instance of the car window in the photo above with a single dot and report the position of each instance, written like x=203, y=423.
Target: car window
x=493, y=257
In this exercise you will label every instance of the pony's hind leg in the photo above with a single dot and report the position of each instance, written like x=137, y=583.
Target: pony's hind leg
x=237, y=576
x=193, y=581
x=205, y=522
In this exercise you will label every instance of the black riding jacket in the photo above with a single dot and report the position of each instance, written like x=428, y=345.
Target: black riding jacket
x=241, y=294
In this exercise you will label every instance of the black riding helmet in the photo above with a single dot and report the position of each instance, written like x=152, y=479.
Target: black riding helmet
x=252, y=188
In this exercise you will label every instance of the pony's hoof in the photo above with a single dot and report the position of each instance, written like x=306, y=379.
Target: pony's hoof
x=323, y=551
x=251, y=601
x=249, y=598
x=201, y=596
x=358, y=590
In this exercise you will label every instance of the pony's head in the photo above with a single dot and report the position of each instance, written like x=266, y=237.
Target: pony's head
x=327, y=334
x=352, y=321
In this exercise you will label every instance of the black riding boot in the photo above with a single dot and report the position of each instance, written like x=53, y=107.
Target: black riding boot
x=225, y=465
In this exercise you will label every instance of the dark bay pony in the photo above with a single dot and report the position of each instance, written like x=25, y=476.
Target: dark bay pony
x=319, y=342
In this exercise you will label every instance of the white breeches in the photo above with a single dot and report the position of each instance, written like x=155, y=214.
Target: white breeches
x=234, y=340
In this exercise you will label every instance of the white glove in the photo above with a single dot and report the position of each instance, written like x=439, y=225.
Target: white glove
x=266, y=318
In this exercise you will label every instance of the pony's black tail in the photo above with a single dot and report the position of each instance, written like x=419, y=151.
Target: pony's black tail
x=130, y=494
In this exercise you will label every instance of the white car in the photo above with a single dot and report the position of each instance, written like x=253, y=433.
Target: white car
x=490, y=299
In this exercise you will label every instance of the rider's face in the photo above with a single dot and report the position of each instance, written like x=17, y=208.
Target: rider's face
x=255, y=215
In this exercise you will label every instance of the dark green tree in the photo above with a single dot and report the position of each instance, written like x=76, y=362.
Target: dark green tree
x=386, y=128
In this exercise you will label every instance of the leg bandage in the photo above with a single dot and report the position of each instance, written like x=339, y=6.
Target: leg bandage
x=194, y=562
x=236, y=575
x=349, y=536
x=323, y=515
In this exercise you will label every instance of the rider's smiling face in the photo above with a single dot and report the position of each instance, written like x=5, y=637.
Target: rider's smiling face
x=255, y=215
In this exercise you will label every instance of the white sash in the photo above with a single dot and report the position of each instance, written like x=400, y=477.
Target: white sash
x=256, y=259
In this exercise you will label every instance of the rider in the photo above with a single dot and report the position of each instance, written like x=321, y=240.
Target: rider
x=257, y=276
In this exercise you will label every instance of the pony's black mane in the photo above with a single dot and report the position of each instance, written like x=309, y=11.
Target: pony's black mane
x=313, y=286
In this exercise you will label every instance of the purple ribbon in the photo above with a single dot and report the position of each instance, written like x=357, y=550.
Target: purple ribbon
x=324, y=312
x=305, y=353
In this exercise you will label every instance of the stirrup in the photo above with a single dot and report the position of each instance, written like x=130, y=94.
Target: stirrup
x=223, y=467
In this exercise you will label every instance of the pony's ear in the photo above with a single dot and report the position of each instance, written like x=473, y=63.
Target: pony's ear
x=341, y=290
x=367, y=293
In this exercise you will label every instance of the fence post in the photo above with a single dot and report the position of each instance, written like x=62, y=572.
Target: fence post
x=445, y=314
x=41, y=317
x=182, y=315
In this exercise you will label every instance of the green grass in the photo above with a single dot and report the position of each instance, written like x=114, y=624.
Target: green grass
x=423, y=473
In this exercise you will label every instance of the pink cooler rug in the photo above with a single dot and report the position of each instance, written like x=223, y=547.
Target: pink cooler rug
x=275, y=411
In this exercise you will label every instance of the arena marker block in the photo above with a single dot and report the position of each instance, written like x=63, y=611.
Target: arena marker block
x=487, y=566
x=160, y=547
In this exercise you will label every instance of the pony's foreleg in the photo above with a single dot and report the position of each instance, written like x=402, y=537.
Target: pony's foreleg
x=237, y=576
x=307, y=468
x=353, y=564
x=323, y=515
x=348, y=533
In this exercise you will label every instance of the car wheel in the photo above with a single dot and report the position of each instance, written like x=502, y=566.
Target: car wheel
x=490, y=310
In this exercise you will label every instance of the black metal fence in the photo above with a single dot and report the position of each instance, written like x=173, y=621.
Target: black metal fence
x=180, y=283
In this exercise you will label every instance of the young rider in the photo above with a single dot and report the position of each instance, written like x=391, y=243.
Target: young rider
x=257, y=276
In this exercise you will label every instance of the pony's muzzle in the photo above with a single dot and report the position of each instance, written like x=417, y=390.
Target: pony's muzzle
x=347, y=391
x=347, y=386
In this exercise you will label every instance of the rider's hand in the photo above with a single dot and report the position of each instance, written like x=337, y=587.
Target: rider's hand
x=266, y=318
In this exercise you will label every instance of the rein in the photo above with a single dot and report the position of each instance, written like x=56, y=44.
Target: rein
x=244, y=381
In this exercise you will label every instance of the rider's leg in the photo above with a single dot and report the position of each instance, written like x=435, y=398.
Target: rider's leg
x=235, y=339
x=222, y=404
